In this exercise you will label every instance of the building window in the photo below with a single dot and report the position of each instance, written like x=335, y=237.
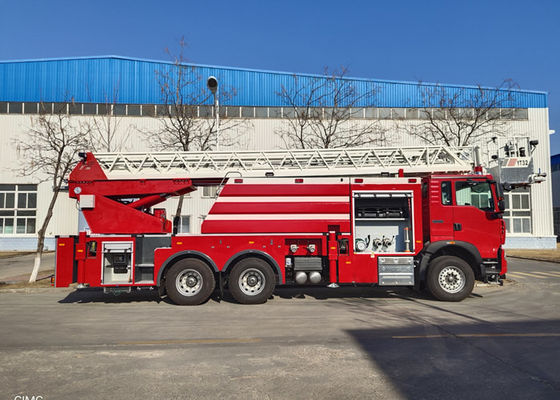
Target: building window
x=232, y=112
x=90, y=108
x=384, y=113
x=247, y=112
x=18, y=209
x=148, y=110
x=261, y=112
x=133, y=109
x=184, y=224
x=518, y=211
x=15, y=108
x=206, y=111
x=119, y=109
x=209, y=191
x=30, y=108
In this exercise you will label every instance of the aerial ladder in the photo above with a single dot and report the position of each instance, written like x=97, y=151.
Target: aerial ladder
x=127, y=185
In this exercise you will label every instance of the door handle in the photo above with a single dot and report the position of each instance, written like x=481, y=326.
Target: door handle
x=457, y=227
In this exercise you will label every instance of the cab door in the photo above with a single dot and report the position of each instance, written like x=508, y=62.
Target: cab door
x=475, y=219
x=441, y=210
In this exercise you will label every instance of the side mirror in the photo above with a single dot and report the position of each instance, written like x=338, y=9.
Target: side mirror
x=501, y=204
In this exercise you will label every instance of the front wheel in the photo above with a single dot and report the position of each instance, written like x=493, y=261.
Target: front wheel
x=251, y=281
x=189, y=282
x=450, y=278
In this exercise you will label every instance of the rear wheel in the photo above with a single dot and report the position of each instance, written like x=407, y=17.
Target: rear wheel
x=189, y=282
x=251, y=281
x=450, y=278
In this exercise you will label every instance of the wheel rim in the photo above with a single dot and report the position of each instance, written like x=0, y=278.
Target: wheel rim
x=252, y=282
x=189, y=282
x=452, y=279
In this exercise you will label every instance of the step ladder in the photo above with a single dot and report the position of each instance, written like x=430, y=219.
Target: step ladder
x=287, y=163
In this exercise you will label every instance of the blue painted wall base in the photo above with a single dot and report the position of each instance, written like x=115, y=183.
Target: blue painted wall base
x=530, y=242
x=24, y=243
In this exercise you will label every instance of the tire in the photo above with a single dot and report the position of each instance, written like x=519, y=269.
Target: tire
x=189, y=282
x=450, y=278
x=251, y=281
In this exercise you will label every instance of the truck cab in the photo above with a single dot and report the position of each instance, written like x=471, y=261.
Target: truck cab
x=462, y=218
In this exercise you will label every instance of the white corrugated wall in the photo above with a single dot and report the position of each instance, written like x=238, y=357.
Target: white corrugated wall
x=254, y=134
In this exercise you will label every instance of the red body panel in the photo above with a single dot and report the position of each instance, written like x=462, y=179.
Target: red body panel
x=118, y=218
x=113, y=212
x=65, y=261
x=281, y=207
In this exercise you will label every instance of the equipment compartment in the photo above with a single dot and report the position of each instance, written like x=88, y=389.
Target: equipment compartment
x=117, y=262
x=382, y=222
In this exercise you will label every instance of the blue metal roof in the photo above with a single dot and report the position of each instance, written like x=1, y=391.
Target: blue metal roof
x=134, y=81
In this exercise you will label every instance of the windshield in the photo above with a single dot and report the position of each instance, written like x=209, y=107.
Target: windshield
x=474, y=193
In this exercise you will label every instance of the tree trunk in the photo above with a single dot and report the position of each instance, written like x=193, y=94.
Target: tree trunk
x=41, y=238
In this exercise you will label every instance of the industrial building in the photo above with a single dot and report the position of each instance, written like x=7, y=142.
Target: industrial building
x=85, y=87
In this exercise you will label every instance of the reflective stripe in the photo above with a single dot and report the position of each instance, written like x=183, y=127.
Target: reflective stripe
x=246, y=217
x=281, y=199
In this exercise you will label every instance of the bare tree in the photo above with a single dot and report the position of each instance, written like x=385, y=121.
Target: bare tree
x=49, y=149
x=459, y=116
x=323, y=112
x=105, y=126
x=187, y=120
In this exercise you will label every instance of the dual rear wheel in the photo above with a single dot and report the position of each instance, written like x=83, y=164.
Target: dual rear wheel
x=191, y=281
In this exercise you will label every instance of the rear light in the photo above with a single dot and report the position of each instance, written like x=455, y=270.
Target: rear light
x=359, y=180
x=238, y=180
x=299, y=180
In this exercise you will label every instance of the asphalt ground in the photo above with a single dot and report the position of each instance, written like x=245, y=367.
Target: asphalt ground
x=500, y=343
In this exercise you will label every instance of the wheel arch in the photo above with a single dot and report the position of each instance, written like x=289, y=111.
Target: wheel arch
x=182, y=255
x=464, y=250
x=258, y=254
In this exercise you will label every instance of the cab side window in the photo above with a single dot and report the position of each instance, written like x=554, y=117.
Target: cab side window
x=446, y=198
x=472, y=193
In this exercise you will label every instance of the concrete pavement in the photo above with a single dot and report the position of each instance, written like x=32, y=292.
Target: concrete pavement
x=501, y=343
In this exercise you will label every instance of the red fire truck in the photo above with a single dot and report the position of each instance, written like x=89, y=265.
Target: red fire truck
x=417, y=217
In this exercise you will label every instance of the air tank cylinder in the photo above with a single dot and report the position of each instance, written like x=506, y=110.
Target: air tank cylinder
x=301, y=277
x=314, y=277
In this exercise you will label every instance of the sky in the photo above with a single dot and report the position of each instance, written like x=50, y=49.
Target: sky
x=463, y=42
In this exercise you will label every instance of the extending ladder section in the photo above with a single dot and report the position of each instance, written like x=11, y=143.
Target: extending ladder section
x=286, y=163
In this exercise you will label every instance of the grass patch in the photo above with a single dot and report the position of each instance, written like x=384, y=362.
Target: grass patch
x=10, y=254
x=45, y=283
x=552, y=255
x=21, y=281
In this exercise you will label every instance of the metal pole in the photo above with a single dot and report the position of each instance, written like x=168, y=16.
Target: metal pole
x=213, y=85
x=217, y=111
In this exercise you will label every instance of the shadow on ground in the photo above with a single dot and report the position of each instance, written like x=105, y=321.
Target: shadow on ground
x=96, y=295
x=479, y=360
